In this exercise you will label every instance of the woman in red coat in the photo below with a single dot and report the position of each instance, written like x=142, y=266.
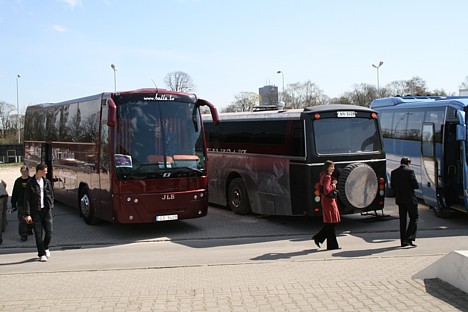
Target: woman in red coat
x=331, y=214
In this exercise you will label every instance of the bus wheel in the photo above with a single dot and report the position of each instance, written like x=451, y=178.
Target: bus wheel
x=238, y=199
x=358, y=186
x=86, y=210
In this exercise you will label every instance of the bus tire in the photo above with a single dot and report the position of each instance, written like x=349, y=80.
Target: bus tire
x=86, y=209
x=357, y=186
x=238, y=199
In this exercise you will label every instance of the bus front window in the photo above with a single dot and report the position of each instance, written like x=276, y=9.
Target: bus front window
x=346, y=135
x=158, y=139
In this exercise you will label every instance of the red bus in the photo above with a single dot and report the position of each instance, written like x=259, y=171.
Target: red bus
x=125, y=157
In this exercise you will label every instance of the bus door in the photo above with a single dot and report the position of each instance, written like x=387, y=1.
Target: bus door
x=46, y=158
x=461, y=137
x=429, y=167
x=104, y=197
x=452, y=167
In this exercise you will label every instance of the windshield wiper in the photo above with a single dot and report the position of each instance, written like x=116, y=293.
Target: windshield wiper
x=191, y=169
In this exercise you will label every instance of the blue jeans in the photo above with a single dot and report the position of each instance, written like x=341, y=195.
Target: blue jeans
x=43, y=223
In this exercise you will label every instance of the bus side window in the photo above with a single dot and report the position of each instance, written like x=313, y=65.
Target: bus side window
x=399, y=125
x=298, y=148
x=436, y=116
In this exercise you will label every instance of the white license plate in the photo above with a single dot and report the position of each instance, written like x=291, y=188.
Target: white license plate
x=167, y=217
x=347, y=114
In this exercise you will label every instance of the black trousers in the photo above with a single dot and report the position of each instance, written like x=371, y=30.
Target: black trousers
x=328, y=233
x=405, y=210
x=43, y=227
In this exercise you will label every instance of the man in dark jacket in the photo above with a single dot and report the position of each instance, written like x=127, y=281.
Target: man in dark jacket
x=404, y=183
x=38, y=205
x=17, y=203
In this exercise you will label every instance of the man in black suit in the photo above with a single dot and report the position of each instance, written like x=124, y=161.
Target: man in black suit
x=404, y=183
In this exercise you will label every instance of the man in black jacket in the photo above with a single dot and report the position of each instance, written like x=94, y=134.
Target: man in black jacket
x=17, y=203
x=38, y=205
x=404, y=183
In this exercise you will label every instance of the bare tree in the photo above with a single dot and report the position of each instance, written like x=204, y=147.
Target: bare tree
x=464, y=84
x=244, y=102
x=397, y=87
x=179, y=81
x=362, y=94
x=305, y=94
x=416, y=86
x=7, y=122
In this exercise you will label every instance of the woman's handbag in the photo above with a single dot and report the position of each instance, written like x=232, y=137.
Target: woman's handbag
x=332, y=194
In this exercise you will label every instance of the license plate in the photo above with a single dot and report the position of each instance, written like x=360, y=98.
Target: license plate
x=167, y=217
x=347, y=114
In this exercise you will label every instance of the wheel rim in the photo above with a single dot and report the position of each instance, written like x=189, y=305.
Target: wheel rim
x=85, y=205
x=236, y=198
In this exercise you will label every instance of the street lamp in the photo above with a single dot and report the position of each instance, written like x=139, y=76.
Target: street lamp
x=114, y=68
x=282, y=76
x=377, y=67
x=18, y=76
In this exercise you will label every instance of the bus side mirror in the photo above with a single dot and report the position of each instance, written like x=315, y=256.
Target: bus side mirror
x=461, y=133
x=213, y=110
x=111, y=113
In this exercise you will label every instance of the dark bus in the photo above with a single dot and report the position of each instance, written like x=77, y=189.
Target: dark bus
x=125, y=157
x=269, y=162
x=432, y=132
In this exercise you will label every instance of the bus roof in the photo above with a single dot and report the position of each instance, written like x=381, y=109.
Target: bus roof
x=419, y=101
x=289, y=113
x=113, y=94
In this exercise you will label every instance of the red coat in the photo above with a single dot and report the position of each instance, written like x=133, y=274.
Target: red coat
x=331, y=213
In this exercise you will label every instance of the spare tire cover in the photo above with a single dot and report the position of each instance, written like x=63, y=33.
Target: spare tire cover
x=357, y=185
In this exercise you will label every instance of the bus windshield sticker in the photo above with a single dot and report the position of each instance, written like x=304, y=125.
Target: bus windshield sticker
x=160, y=97
x=123, y=161
x=346, y=114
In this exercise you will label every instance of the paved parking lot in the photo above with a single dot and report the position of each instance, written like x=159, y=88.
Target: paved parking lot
x=225, y=262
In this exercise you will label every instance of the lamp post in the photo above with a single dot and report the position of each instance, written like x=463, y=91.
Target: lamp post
x=114, y=68
x=18, y=76
x=377, y=67
x=282, y=78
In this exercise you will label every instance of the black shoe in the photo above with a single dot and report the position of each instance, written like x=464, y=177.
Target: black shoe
x=413, y=244
x=405, y=244
x=334, y=248
x=24, y=237
x=316, y=241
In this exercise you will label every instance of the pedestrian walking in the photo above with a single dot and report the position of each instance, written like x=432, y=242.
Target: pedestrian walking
x=403, y=182
x=330, y=211
x=17, y=203
x=38, y=206
x=3, y=208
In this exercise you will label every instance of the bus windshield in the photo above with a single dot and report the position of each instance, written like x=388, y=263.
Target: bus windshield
x=346, y=135
x=158, y=139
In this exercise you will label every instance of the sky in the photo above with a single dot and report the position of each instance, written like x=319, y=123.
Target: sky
x=63, y=49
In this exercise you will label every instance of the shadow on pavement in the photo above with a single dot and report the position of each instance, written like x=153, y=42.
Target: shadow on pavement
x=447, y=293
x=286, y=255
